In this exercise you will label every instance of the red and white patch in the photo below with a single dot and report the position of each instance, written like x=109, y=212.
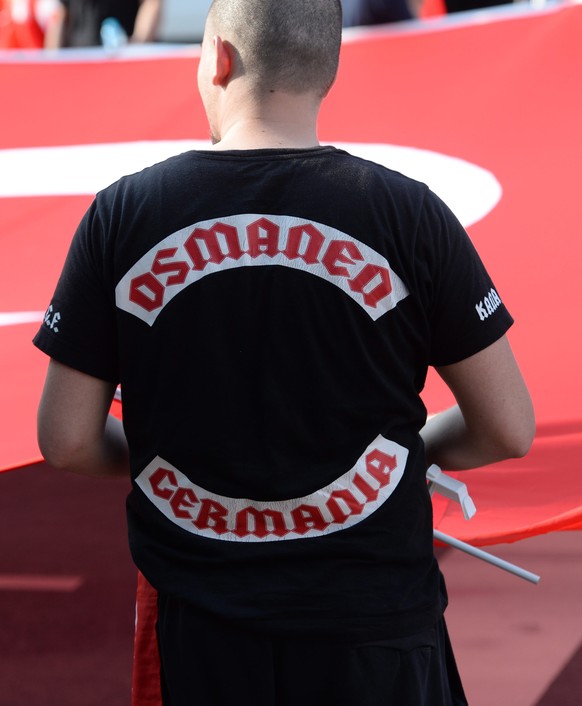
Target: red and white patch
x=251, y=240
x=351, y=498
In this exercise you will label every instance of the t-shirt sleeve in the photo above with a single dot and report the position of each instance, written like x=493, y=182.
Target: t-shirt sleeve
x=466, y=313
x=79, y=327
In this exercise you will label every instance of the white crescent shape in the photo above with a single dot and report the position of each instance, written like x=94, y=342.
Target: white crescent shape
x=13, y=318
x=469, y=190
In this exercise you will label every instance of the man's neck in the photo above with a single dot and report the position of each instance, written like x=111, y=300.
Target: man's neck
x=280, y=122
x=260, y=135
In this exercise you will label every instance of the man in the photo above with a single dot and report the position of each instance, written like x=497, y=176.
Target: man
x=77, y=23
x=270, y=307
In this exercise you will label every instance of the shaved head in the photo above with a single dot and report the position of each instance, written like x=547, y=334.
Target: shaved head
x=287, y=45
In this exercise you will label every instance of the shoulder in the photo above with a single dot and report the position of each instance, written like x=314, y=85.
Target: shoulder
x=157, y=172
x=381, y=188
x=381, y=172
x=159, y=183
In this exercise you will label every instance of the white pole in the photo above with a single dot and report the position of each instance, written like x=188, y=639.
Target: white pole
x=485, y=556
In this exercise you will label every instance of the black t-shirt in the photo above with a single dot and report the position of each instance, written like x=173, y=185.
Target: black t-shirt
x=84, y=19
x=271, y=316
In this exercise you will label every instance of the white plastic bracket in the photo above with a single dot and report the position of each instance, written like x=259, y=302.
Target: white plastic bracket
x=451, y=488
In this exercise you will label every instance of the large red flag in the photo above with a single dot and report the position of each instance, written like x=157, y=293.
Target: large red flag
x=487, y=109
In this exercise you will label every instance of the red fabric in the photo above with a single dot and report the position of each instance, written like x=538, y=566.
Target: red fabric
x=19, y=33
x=146, y=659
x=520, y=498
x=432, y=8
x=502, y=94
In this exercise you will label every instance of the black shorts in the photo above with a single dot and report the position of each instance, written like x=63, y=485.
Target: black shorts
x=208, y=662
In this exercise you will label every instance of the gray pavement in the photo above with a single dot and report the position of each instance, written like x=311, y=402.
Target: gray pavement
x=513, y=639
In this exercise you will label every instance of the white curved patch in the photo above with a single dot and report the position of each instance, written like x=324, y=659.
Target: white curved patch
x=13, y=318
x=470, y=191
x=351, y=498
x=254, y=240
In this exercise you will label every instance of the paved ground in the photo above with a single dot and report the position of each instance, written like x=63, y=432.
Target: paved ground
x=67, y=588
x=519, y=644
x=65, y=638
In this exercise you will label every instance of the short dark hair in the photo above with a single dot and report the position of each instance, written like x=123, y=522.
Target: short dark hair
x=290, y=45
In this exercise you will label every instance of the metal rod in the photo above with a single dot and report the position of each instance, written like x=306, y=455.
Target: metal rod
x=485, y=556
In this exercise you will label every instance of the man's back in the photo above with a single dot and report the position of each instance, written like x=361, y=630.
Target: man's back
x=272, y=326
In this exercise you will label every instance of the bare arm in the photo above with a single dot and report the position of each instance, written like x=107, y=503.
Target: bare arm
x=147, y=21
x=54, y=37
x=493, y=419
x=75, y=431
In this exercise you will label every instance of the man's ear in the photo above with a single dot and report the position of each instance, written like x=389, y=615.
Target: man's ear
x=223, y=61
